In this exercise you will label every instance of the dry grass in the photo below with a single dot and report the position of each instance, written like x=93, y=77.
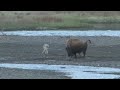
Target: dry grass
x=31, y=20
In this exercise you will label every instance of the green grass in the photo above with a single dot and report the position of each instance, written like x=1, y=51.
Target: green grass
x=37, y=20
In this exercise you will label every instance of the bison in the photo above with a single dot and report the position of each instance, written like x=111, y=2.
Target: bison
x=74, y=46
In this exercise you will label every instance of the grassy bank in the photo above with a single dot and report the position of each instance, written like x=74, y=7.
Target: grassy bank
x=39, y=20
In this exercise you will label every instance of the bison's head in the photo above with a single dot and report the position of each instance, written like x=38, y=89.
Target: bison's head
x=69, y=51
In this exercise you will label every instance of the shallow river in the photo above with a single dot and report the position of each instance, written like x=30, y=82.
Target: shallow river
x=64, y=33
x=73, y=71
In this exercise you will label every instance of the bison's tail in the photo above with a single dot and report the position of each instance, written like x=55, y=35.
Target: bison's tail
x=88, y=41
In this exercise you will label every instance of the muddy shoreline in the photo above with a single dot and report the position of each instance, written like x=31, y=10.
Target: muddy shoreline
x=103, y=52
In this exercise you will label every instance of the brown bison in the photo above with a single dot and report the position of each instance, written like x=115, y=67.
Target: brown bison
x=74, y=46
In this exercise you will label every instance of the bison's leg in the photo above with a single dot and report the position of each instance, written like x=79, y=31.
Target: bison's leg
x=84, y=53
x=79, y=54
x=68, y=53
x=75, y=55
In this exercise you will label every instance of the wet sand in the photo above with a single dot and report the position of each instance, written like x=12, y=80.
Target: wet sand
x=6, y=73
x=103, y=52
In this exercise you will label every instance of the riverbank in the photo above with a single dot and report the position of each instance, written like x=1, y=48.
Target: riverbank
x=103, y=52
x=7, y=73
x=54, y=20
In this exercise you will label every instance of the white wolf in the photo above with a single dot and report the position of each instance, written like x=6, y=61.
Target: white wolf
x=45, y=48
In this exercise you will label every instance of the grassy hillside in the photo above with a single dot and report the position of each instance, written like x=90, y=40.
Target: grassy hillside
x=39, y=20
